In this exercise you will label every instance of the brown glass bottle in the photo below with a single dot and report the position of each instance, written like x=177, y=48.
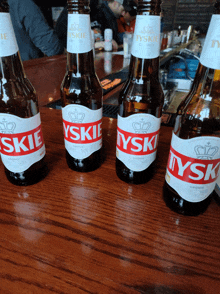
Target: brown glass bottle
x=198, y=117
x=81, y=86
x=141, y=93
x=17, y=98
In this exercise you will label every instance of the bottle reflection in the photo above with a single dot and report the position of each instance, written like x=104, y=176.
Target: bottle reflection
x=29, y=217
x=108, y=62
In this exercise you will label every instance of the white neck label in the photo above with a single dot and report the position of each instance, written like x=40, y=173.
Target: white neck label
x=8, y=43
x=146, y=41
x=79, y=39
x=210, y=56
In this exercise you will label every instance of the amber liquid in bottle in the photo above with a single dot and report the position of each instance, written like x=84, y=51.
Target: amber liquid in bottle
x=198, y=116
x=81, y=86
x=18, y=97
x=141, y=93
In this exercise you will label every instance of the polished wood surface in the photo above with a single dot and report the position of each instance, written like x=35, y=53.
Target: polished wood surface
x=47, y=73
x=92, y=233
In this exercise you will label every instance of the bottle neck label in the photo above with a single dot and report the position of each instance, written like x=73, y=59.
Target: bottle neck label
x=8, y=43
x=146, y=40
x=137, y=140
x=210, y=56
x=21, y=141
x=82, y=129
x=79, y=38
x=193, y=166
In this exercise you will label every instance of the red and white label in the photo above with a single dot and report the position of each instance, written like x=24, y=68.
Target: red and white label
x=82, y=129
x=21, y=141
x=193, y=166
x=137, y=140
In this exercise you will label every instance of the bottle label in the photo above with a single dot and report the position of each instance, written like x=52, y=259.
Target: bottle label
x=210, y=56
x=79, y=38
x=193, y=166
x=21, y=141
x=8, y=43
x=82, y=129
x=146, y=40
x=137, y=140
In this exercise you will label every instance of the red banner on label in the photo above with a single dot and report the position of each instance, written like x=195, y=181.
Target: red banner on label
x=21, y=143
x=82, y=133
x=137, y=144
x=192, y=170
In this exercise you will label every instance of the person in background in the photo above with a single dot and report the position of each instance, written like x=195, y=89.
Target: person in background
x=34, y=36
x=61, y=26
x=101, y=17
x=126, y=23
x=106, y=18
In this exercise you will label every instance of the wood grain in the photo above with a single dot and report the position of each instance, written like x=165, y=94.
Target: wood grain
x=47, y=73
x=92, y=233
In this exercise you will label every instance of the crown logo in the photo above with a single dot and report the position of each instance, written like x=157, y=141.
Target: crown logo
x=74, y=27
x=7, y=127
x=148, y=30
x=76, y=117
x=141, y=127
x=206, y=152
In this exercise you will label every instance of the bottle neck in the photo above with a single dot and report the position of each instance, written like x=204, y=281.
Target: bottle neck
x=151, y=7
x=142, y=69
x=11, y=68
x=81, y=63
x=10, y=63
x=80, y=60
x=78, y=6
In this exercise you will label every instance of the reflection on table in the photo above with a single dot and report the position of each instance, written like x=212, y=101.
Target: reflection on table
x=92, y=233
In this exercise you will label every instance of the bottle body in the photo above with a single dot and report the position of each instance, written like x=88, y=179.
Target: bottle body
x=22, y=144
x=141, y=101
x=81, y=96
x=194, y=159
x=217, y=191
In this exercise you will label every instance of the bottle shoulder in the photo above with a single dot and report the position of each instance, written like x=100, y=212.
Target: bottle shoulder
x=18, y=97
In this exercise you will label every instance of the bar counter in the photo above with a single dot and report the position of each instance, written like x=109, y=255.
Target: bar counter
x=92, y=233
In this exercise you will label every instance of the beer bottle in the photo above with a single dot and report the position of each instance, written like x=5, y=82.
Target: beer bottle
x=194, y=158
x=22, y=145
x=141, y=100
x=217, y=191
x=81, y=93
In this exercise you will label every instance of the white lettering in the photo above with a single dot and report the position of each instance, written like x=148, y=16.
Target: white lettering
x=77, y=136
x=199, y=173
x=124, y=141
x=211, y=172
x=19, y=145
x=99, y=129
x=37, y=138
x=31, y=142
x=85, y=133
x=135, y=143
x=94, y=132
x=148, y=144
x=66, y=129
x=181, y=167
x=10, y=147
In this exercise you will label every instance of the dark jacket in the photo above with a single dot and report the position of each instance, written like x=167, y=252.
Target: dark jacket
x=34, y=36
x=107, y=20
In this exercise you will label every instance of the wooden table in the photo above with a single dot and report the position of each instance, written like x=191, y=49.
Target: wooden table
x=47, y=73
x=92, y=233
